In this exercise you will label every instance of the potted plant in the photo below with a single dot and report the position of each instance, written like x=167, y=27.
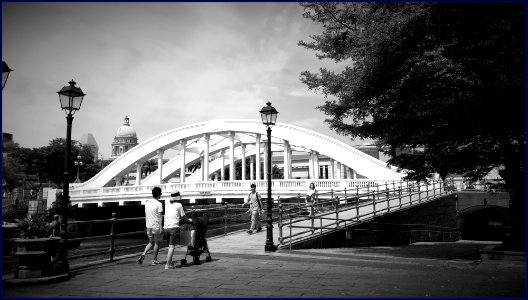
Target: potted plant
x=34, y=248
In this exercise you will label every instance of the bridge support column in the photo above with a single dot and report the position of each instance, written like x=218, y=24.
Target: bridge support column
x=231, y=156
x=222, y=170
x=139, y=164
x=349, y=172
x=205, y=166
x=310, y=165
x=332, y=168
x=118, y=180
x=257, y=157
x=316, y=165
x=252, y=167
x=286, y=163
x=160, y=165
x=290, y=171
x=183, y=143
x=243, y=146
x=339, y=171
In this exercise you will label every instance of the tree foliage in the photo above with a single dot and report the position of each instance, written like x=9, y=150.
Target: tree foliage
x=445, y=78
x=47, y=162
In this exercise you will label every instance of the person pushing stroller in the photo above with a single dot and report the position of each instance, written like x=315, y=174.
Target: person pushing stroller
x=255, y=208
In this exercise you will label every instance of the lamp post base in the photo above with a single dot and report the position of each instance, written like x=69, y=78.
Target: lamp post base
x=270, y=248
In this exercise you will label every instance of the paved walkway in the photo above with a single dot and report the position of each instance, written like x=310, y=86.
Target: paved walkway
x=241, y=268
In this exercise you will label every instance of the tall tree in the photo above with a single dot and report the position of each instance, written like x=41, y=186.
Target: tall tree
x=445, y=78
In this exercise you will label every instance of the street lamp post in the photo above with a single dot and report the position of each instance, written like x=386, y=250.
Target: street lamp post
x=71, y=98
x=5, y=73
x=78, y=162
x=269, y=116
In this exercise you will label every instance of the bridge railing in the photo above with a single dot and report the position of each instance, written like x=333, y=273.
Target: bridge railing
x=353, y=207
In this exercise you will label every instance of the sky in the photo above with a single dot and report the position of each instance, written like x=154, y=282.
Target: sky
x=164, y=65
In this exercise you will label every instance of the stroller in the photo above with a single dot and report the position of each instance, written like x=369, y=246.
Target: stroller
x=200, y=244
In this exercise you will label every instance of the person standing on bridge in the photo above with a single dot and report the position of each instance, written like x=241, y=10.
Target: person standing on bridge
x=153, y=220
x=311, y=195
x=174, y=213
x=255, y=208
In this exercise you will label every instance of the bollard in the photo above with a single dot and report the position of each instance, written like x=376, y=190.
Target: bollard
x=113, y=220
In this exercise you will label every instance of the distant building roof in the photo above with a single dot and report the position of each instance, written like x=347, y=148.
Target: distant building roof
x=88, y=139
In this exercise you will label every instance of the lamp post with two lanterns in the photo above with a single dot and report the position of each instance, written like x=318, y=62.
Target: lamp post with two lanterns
x=269, y=116
x=71, y=98
x=78, y=162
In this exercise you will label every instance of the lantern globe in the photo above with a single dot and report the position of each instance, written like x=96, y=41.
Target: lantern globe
x=71, y=98
x=268, y=114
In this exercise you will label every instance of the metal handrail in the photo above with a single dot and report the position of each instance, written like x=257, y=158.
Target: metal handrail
x=360, y=200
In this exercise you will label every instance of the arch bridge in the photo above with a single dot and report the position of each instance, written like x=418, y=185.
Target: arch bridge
x=202, y=165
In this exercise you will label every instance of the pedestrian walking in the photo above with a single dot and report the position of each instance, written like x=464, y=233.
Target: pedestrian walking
x=174, y=213
x=153, y=220
x=255, y=208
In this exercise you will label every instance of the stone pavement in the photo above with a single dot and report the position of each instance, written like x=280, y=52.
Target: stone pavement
x=241, y=268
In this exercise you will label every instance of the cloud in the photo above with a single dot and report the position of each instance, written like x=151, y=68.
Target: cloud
x=165, y=65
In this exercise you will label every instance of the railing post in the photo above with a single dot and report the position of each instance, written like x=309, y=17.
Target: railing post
x=321, y=233
x=290, y=233
x=299, y=200
x=419, y=192
x=345, y=195
x=410, y=194
x=399, y=195
x=434, y=193
x=312, y=216
x=357, y=210
x=373, y=204
x=225, y=217
x=337, y=213
x=280, y=221
x=388, y=200
x=112, y=236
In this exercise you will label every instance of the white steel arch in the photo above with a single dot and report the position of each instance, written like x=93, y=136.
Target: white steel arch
x=244, y=132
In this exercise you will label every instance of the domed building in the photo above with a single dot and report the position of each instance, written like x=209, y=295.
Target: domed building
x=124, y=140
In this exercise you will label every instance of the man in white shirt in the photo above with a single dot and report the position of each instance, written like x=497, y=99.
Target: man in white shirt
x=173, y=214
x=153, y=220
